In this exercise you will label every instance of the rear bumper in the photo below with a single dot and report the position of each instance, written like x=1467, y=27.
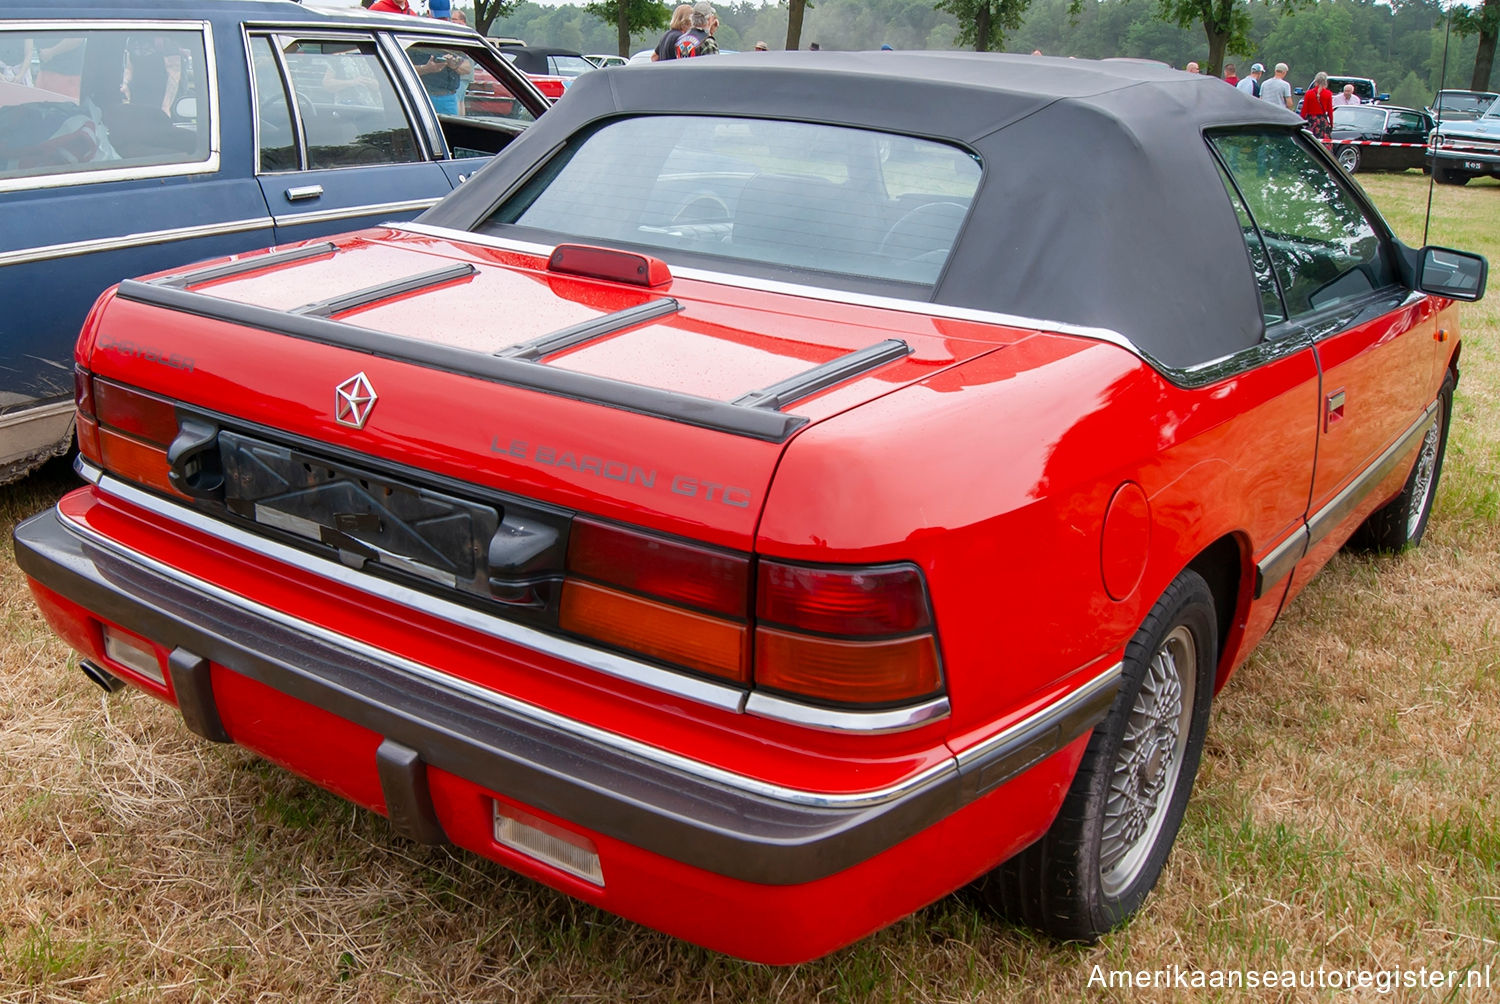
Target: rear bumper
x=435, y=756
x=1468, y=161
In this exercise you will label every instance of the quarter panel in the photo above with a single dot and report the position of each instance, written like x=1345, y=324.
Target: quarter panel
x=995, y=476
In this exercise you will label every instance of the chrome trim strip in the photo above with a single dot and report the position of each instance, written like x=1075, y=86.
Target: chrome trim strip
x=1326, y=519
x=715, y=695
x=35, y=414
x=331, y=215
x=51, y=251
x=780, y=709
x=210, y=165
x=923, y=307
x=632, y=747
x=1058, y=710
x=1278, y=564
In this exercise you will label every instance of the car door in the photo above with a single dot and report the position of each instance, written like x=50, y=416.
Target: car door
x=122, y=152
x=1409, y=129
x=338, y=148
x=1335, y=265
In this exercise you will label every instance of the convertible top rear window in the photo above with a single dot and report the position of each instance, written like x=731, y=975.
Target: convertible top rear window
x=836, y=199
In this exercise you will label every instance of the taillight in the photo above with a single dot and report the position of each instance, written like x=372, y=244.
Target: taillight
x=672, y=601
x=853, y=636
x=130, y=432
x=87, y=424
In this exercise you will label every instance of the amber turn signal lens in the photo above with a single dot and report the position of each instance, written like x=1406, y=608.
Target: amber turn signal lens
x=135, y=461
x=681, y=637
x=889, y=671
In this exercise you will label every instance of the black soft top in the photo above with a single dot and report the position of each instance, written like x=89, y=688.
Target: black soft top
x=1100, y=205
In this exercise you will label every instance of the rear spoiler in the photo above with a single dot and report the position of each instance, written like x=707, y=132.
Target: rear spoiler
x=757, y=415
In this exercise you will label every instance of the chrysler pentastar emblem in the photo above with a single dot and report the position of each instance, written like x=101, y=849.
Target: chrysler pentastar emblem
x=354, y=399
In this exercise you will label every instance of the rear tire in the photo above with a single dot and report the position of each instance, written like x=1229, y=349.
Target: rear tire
x=1093, y=868
x=1401, y=522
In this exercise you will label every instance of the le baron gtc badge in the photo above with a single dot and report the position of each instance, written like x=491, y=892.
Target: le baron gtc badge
x=354, y=399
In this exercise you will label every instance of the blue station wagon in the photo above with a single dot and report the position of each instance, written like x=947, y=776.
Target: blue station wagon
x=136, y=137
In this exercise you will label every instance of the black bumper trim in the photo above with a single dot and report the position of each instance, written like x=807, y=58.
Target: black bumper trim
x=408, y=801
x=694, y=820
x=195, y=695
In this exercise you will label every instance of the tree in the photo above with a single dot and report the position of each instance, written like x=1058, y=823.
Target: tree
x=1226, y=23
x=794, y=14
x=485, y=12
x=1485, y=23
x=983, y=23
x=630, y=16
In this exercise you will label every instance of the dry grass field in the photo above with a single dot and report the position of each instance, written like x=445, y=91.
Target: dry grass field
x=1347, y=815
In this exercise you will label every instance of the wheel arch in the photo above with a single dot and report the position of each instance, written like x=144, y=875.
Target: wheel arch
x=1222, y=566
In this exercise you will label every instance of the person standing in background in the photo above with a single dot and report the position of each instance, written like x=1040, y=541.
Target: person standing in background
x=1317, y=107
x=1346, y=97
x=1251, y=83
x=1230, y=77
x=682, y=20
x=1277, y=90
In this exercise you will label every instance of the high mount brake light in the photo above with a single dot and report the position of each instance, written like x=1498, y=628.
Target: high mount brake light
x=607, y=263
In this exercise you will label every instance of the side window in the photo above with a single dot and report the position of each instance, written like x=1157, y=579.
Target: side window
x=278, y=139
x=99, y=99
x=1324, y=251
x=466, y=83
x=347, y=104
x=1270, y=297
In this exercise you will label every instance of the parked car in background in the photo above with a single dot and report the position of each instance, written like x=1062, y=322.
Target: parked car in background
x=765, y=499
x=1458, y=106
x=1364, y=88
x=1379, y=137
x=1463, y=150
x=551, y=69
x=152, y=134
x=603, y=60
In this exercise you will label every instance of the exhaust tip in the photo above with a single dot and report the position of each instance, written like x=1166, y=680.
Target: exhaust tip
x=103, y=677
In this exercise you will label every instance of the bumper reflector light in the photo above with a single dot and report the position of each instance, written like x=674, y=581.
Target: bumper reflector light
x=548, y=843
x=134, y=654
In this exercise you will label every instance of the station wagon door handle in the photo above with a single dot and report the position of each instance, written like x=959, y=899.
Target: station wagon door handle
x=305, y=192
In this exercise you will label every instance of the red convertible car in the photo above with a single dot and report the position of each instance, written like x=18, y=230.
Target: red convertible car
x=776, y=491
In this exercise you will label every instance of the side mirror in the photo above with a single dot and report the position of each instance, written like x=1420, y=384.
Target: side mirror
x=186, y=108
x=1457, y=275
x=1383, y=97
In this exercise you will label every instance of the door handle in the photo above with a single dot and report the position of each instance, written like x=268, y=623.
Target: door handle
x=305, y=192
x=1335, y=409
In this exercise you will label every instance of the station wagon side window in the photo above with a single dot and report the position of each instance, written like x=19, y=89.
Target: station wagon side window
x=1324, y=250
x=344, y=106
x=103, y=103
x=477, y=108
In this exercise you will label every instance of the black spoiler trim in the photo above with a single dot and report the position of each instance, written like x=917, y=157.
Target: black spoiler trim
x=719, y=416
